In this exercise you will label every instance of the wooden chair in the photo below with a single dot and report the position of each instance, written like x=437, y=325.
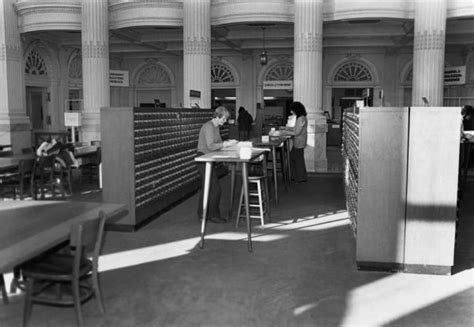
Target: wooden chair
x=50, y=175
x=91, y=168
x=49, y=278
x=16, y=180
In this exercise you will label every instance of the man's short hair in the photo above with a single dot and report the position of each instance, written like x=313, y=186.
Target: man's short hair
x=220, y=112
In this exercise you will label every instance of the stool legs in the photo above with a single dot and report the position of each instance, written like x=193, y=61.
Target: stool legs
x=261, y=194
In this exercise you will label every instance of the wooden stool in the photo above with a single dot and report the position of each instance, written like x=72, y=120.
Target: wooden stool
x=258, y=199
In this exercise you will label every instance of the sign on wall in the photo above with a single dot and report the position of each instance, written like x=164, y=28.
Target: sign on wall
x=72, y=119
x=278, y=85
x=118, y=78
x=455, y=75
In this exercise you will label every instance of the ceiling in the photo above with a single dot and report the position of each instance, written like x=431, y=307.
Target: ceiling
x=249, y=38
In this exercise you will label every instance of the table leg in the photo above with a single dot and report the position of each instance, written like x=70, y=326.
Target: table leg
x=275, y=177
x=288, y=160
x=205, y=200
x=284, y=166
x=246, y=198
x=232, y=190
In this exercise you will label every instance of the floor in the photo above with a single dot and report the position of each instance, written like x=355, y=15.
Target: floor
x=302, y=272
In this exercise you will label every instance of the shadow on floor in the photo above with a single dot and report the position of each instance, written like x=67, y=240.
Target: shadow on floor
x=302, y=272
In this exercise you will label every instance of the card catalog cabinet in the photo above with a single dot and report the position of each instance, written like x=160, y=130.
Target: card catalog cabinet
x=148, y=159
x=401, y=176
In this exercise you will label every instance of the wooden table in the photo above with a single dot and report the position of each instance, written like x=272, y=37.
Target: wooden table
x=230, y=156
x=11, y=163
x=32, y=227
x=273, y=143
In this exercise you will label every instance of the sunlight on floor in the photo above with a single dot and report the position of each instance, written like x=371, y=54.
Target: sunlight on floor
x=147, y=254
x=398, y=295
x=271, y=232
x=178, y=248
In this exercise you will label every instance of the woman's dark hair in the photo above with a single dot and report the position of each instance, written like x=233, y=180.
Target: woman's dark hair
x=298, y=109
x=467, y=110
x=241, y=109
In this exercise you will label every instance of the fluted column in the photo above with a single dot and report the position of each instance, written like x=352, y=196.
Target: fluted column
x=14, y=124
x=197, y=52
x=308, y=60
x=428, y=52
x=95, y=65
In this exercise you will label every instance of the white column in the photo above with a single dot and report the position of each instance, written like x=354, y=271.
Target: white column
x=197, y=52
x=95, y=65
x=428, y=52
x=14, y=124
x=308, y=61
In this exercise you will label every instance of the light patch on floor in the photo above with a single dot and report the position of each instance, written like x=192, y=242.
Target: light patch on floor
x=393, y=297
x=147, y=254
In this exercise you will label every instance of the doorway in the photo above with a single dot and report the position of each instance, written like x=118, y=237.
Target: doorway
x=35, y=107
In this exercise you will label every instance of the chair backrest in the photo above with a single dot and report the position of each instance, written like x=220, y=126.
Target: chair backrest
x=95, y=142
x=26, y=166
x=86, y=237
x=27, y=150
x=46, y=161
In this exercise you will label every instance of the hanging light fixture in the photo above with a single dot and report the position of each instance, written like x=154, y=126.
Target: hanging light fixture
x=263, y=55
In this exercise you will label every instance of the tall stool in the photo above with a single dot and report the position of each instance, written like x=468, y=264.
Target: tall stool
x=259, y=206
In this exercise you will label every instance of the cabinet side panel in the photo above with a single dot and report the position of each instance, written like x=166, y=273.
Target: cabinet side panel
x=432, y=185
x=118, y=166
x=382, y=185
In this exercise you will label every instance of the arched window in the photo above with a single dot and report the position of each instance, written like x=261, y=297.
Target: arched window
x=409, y=77
x=221, y=74
x=280, y=72
x=154, y=75
x=353, y=72
x=35, y=64
x=75, y=68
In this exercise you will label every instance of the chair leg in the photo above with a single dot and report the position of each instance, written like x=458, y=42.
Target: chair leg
x=4, y=291
x=30, y=283
x=21, y=187
x=69, y=183
x=77, y=300
x=97, y=291
x=16, y=280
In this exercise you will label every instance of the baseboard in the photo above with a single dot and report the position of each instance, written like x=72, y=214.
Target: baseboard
x=427, y=269
x=379, y=266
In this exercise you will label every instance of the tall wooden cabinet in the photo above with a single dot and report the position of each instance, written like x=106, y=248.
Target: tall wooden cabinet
x=148, y=159
x=401, y=175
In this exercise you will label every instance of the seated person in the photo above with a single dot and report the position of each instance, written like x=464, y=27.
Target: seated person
x=63, y=155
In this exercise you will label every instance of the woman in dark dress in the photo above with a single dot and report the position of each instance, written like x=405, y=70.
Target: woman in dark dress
x=300, y=137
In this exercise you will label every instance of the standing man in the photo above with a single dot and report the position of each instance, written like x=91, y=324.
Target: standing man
x=245, y=121
x=210, y=140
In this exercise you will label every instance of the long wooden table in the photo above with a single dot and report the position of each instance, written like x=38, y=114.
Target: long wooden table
x=230, y=156
x=29, y=228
